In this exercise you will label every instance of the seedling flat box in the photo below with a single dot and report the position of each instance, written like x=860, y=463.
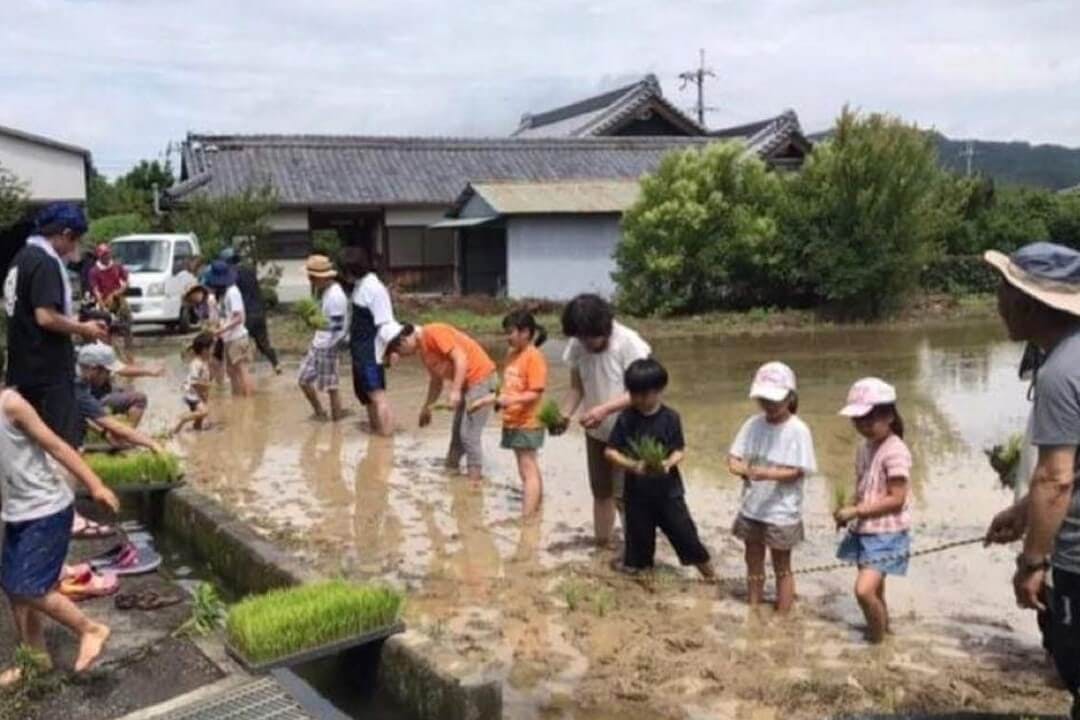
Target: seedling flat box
x=305, y=656
x=133, y=488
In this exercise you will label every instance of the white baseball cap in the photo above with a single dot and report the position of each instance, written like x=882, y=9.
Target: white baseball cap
x=387, y=333
x=865, y=394
x=773, y=381
x=98, y=354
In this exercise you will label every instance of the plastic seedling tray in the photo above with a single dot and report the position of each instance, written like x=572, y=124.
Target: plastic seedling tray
x=315, y=653
x=137, y=488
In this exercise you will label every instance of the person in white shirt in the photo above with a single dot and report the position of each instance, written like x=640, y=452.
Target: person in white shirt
x=232, y=332
x=371, y=310
x=598, y=353
x=319, y=368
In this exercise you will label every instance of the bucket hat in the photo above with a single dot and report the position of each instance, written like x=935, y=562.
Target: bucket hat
x=1048, y=272
x=866, y=394
x=773, y=381
x=98, y=354
x=387, y=333
x=319, y=266
x=221, y=275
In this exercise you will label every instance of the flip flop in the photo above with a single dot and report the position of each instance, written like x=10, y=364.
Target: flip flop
x=89, y=586
x=128, y=559
x=86, y=529
x=112, y=555
x=146, y=600
x=74, y=571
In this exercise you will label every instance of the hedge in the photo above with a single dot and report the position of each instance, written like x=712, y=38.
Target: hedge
x=959, y=275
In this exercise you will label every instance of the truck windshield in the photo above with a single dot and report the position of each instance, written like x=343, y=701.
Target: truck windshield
x=142, y=255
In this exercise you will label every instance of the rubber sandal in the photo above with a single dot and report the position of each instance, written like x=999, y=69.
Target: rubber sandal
x=126, y=601
x=151, y=600
x=74, y=571
x=95, y=587
x=112, y=555
x=130, y=560
x=86, y=529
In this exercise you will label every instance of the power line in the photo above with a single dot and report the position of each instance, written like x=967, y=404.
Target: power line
x=697, y=77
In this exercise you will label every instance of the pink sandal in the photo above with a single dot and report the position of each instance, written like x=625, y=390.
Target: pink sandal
x=88, y=585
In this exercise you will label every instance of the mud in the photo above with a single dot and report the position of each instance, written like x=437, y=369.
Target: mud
x=539, y=607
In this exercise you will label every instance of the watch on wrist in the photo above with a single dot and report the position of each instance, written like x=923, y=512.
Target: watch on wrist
x=1028, y=566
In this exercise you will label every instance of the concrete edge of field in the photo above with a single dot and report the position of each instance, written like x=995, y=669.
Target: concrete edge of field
x=426, y=682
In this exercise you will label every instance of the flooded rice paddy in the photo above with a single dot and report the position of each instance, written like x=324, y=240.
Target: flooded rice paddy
x=537, y=607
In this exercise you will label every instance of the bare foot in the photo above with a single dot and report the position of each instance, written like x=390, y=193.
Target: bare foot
x=10, y=678
x=91, y=643
x=341, y=415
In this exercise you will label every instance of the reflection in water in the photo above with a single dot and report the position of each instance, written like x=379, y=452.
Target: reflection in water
x=488, y=585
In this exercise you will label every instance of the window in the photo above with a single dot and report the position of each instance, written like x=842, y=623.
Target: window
x=181, y=256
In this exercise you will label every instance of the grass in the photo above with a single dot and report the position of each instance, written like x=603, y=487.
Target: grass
x=207, y=613
x=550, y=416
x=309, y=311
x=137, y=468
x=1005, y=459
x=650, y=451
x=581, y=594
x=282, y=622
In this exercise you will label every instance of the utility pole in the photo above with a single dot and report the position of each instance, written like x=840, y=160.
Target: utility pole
x=697, y=77
x=968, y=153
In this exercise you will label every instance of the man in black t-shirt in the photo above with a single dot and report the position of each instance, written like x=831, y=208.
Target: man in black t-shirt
x=37, y=295
x=247, y=282
x=653, y=494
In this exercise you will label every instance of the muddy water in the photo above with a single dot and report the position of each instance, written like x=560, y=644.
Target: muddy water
x=537, y=607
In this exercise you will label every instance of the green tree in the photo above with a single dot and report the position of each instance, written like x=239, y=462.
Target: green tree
x=13, y=197
x=1064, y=223
x=870, y=208
x=241, y=219
x=104, y=229
x=703, y=235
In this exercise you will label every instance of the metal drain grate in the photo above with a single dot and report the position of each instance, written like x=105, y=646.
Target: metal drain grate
x=263, y=699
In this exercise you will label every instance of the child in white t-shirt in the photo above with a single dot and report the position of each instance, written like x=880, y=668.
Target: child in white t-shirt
x=773, y=452
x=197, y=383
x=319, y=368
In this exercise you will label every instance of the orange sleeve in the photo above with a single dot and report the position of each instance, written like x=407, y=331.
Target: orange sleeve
x=536, y=371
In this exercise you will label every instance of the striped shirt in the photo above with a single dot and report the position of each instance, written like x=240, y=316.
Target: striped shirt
x=874, y=465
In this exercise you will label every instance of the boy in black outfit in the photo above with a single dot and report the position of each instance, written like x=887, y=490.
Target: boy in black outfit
x=654, y=497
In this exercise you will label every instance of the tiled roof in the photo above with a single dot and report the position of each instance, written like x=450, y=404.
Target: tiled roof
x=766, y=136
x=312, y=170
x=602, y=113
x=576, y=196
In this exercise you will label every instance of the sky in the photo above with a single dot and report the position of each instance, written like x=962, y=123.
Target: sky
x=124, y=78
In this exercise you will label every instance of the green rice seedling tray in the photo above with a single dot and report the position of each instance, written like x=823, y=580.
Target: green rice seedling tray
x=137, y=471
x=316, y=653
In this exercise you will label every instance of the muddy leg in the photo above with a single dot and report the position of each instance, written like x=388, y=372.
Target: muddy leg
x=92, y=635
x=531, y=481
x=335, y=404
x=867, y=586
x=755, y=572
x=604, y=520
x=313, y=400
x=785, y=581
x=881, y=596
x=379, y=414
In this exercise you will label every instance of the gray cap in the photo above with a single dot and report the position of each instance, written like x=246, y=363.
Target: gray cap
x=98, y=354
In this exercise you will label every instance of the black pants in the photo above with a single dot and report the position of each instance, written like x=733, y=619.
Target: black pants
x=1061, y=632
x=56, y=405
x=669, y=514
x=261, y=336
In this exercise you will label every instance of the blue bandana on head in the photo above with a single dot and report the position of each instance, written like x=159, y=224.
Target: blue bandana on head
x=67, y=214
x=1049, y=261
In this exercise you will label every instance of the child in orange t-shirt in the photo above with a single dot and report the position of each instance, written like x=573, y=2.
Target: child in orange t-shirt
x=524, y=380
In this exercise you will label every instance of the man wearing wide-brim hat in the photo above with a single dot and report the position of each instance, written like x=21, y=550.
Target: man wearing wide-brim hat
x=1039, y=301
x=319, y=368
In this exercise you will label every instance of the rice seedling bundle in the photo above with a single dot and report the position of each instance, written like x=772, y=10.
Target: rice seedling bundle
x=139, y=468
x=651, y=452
x=310, y=312
x=292, y=620
x=1005, y=459
x=550, y=416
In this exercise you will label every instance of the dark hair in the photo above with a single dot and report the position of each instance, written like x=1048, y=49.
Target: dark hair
x=524, y=320
x=897, y=424
x=644, y=376
x=587, y=315
x=394, y=345
x=793, y=402
x=56, y=228
x=355, y=262
x=201, y=343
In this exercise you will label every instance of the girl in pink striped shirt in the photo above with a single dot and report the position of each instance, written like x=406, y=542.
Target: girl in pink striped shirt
x=878, y=539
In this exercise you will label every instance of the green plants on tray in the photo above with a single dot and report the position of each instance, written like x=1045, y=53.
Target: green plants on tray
x=136, y=468
x=291, y=620
x=1005, y=459
x=310, y=312
x=651, y=452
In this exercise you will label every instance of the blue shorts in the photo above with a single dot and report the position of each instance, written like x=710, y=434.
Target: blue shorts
x=367, y=377
x=885, y=552
x=34, y=554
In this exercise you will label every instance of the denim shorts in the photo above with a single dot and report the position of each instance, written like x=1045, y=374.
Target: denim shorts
x=34, y=553
x=885, y=552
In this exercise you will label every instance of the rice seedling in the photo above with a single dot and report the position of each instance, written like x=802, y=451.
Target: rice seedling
x=283, y=622
x=550, y=416
x=207, y=612
x=581, y=594
x=650, y=451
x=1005, y=459
x=139, y=468
x=310, y=312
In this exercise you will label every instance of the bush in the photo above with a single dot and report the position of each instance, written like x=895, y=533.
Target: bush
x=105, y=229
x=870, y=208
x=328, y=243
x=959, y=275
x=702, y=236
x=220, y=222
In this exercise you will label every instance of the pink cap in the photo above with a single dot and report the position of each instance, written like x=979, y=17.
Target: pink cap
x=773, y=381
x=865, y=394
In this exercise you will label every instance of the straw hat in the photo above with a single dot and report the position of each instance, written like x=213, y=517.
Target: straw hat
x=1048, y=272
x=319, y=266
